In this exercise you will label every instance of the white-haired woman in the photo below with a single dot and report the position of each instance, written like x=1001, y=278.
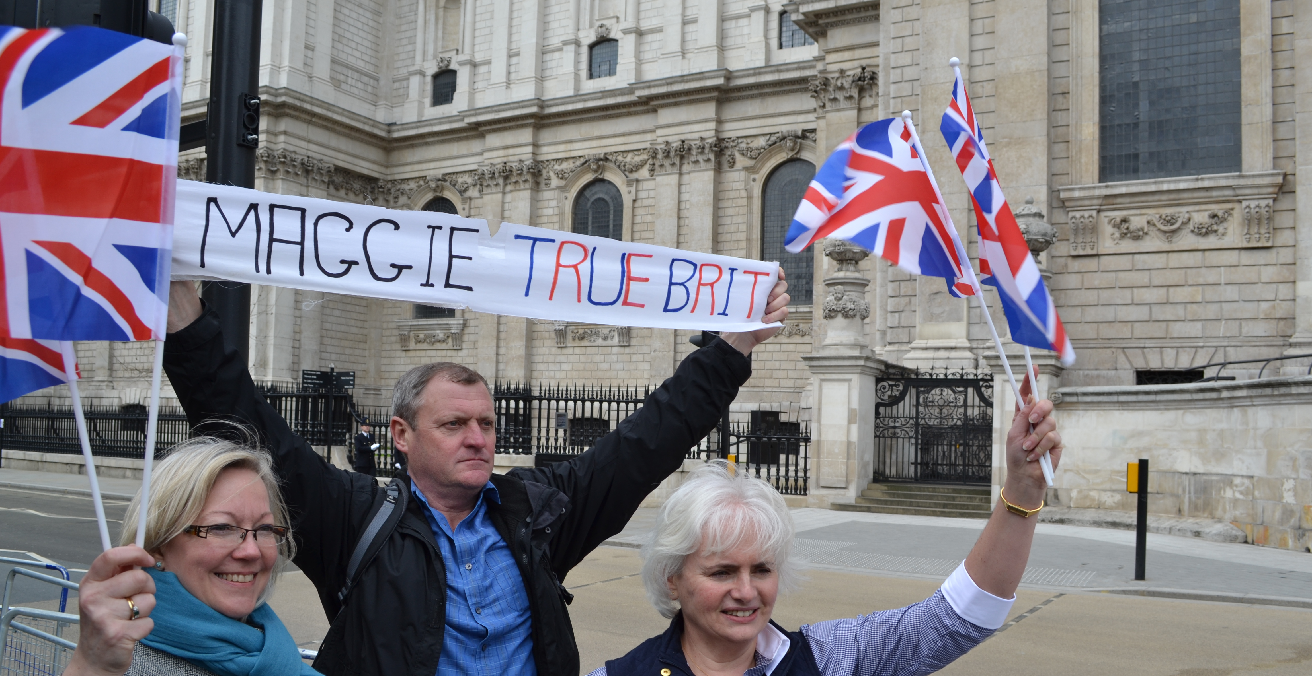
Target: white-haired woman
x=720, y=553
x=193, y=601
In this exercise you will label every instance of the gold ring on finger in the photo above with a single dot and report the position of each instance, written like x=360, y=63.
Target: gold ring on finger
x=133, y=607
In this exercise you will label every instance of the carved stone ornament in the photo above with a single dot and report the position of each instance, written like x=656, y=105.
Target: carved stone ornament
x=1186, y=213
x=795, y=330
x=192, y=169
x=1121, y=227
x=1257, y=222
x=1039, y=235
x=429, y=334
x=842, y=90
x=587, y=335
x=791, y=139
x=602, y=31
x=443, y=63
x=1171, y=227
x=846, y=254
x=1084, y=233
x=1215, y=225
x=839, y=303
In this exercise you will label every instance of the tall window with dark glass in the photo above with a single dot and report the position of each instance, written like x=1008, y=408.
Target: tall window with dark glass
x=599, y=210
x=1169, y=89
x=790, y=35
x=444, y=87
x=602, y=57
x=784, y=189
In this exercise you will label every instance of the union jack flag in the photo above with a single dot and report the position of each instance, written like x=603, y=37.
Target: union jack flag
x=1004, y=257
x=28, y=365
x=873, y=191
x=88, y=155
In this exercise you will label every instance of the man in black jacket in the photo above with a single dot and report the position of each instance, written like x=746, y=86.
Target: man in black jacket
x=470, y=580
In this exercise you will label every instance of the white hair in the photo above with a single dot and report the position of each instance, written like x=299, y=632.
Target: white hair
x=719, y=508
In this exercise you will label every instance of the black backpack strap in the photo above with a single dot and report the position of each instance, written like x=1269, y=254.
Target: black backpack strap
x=384, y=521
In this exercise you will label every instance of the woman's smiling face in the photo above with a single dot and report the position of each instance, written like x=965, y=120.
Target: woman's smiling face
x=227, y=575
x=726, y=597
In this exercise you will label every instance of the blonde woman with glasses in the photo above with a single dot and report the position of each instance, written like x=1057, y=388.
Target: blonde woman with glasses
x=193, y=601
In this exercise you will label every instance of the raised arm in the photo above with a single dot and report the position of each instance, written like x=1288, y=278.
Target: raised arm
x=215, y=389
x=606, y=484
x=997, y=561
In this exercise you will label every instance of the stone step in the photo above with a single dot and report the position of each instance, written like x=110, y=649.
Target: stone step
x=954, y=489
x=916, y=511
x=968, y=498
x=928, y=503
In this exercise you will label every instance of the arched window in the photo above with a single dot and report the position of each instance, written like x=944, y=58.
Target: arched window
x=441, y=205
x=599, y=211
x=784, y=190
x=790, y=35
x=603, y=56
x=444, y=87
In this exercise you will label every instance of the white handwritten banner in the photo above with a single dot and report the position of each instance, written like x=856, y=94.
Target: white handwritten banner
x=222, y=232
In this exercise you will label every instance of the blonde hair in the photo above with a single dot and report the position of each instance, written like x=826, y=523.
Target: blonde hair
x=718, y=508
x=181, y=483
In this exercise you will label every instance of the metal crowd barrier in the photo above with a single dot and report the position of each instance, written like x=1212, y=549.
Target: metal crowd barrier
x=36, y=646
x=32, y=640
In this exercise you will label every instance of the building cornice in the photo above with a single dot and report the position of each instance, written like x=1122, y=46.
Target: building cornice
x=296, y=105
x=818, y=17
x=1264, y=392
x=682, y=89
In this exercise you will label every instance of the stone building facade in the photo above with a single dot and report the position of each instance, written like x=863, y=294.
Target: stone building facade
x=1162, y=141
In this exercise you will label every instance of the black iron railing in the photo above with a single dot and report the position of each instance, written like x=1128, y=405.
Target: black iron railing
x=934, y=427
x=114, y=431
x=321, y=418
x=554, y=421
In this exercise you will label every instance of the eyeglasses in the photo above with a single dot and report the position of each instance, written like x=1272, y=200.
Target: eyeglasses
x=265, y=536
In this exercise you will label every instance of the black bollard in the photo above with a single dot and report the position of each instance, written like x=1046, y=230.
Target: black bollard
x=1141, y=528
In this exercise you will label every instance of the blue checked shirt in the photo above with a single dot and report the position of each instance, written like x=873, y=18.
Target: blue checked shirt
x=488, y=626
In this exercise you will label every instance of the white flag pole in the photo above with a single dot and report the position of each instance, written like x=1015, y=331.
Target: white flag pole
x=1044, y=462
x=149, y=459
x=70, y=372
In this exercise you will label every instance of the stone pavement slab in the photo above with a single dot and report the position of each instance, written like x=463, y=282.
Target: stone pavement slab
x=68, y=484
x=1049, y=631
x=1064, y=557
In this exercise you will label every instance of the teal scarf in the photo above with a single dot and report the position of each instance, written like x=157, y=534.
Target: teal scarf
x=187, y=628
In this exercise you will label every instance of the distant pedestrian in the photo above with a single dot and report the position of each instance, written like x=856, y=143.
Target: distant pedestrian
x=365, y=446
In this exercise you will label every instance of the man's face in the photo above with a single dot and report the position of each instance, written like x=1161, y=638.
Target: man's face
x=452, y=446
x=366, y=429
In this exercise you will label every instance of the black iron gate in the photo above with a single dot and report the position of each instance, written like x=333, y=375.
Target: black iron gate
x=934, y=427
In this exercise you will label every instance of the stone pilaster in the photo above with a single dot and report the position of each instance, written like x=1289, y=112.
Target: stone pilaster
x=273, y=323
x=942, y=322
x=843, y=374
x=666, y=228
x=1301, y=342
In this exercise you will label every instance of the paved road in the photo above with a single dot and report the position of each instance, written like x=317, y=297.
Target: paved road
x=1064, y=620
x=58, y=527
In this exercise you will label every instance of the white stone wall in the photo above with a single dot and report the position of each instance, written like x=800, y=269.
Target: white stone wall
x=1238, y=452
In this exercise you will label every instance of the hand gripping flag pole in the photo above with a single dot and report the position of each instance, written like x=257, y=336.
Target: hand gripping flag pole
x=70, y=371
x=1044, y=461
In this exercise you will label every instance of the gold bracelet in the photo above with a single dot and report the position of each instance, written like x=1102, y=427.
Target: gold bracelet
x=1018, y=510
